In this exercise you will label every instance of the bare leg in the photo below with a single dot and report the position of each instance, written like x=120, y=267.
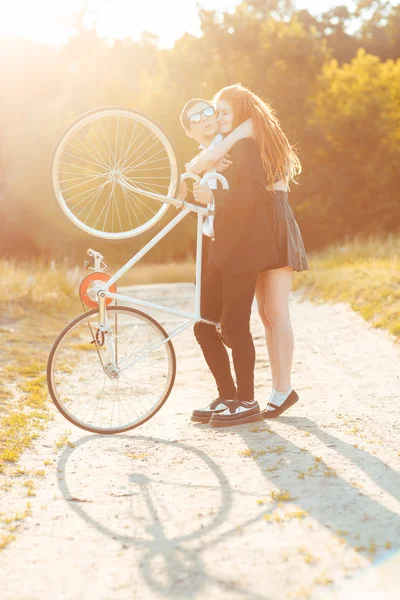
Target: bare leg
x=269, y=338
x=277, y=284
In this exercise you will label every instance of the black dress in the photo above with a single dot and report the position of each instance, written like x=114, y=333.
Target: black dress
x=286, y=232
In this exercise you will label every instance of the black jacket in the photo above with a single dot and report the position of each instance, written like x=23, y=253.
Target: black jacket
x=244, y=240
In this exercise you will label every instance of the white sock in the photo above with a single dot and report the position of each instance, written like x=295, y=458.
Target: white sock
x=278, y=398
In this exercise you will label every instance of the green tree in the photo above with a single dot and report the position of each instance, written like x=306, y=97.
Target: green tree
x=380, y=27
x=356, y=121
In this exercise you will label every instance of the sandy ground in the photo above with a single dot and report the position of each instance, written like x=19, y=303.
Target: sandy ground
x=195, y=515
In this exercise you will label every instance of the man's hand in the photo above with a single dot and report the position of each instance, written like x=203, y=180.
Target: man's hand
x=183, y=189
x=223, y=163
x=202, y=193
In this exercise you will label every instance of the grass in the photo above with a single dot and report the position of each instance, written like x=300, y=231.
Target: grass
x=36, y=286
x=281, y=496
x=37, y=301
x=172, y=272
x=64, y=441
x=363, y=273
x=282, y=516
x=10, y=524
x=252, y=453
x=22, y=420
x=140, y=455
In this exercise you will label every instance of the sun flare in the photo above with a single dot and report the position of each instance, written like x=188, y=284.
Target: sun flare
x=51, y=21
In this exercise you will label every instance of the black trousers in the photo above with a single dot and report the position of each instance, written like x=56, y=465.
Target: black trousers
x=227, y=299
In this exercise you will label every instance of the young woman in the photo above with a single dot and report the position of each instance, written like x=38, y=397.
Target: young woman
x=241, y=113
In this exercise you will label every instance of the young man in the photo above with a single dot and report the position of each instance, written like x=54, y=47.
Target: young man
x=235, y=252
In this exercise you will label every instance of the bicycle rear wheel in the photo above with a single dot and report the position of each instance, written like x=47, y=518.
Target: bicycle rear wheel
x=111, y=394
x=99, y=151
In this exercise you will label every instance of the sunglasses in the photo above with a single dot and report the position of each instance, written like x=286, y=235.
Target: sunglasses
x=207, y=112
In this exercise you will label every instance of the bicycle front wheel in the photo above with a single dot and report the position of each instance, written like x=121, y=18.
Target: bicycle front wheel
x=116, y=386
x=96, y=154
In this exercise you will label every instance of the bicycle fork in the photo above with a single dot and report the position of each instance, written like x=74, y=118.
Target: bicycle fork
x=106, y=337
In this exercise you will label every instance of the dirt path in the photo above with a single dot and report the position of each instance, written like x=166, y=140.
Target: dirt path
x=178, y=510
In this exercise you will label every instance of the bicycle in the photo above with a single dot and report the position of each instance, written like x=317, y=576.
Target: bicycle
x=113, y=367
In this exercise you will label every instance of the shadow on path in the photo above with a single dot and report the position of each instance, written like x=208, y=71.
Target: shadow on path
x=332, y=500
x=168, y=566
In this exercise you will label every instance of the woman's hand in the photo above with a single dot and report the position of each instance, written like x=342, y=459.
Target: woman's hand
x=223, y=164
x=202, y=193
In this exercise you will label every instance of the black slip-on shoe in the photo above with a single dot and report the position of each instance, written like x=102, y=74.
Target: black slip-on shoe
x=278, y=410
x=236, y=414
x=217, y=406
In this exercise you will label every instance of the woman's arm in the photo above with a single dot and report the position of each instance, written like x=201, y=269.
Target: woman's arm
x=209, y=158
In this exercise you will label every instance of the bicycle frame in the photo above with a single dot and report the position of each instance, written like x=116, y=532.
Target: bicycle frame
x=103, y=290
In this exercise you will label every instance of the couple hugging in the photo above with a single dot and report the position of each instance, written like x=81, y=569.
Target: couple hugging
x=251, y=247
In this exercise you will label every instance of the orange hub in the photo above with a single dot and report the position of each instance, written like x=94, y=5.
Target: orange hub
x=87, y=286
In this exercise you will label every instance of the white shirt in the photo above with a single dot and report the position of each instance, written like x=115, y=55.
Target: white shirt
x=208, y=225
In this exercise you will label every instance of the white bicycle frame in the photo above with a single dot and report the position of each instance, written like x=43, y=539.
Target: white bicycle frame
x=103, y=291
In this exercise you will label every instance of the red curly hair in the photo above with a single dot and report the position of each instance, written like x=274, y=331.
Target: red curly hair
x=278, y=157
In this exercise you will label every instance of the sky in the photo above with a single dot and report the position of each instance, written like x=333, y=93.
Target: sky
x=46, y=20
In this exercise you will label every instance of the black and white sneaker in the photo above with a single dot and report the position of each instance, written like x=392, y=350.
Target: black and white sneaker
x=237, y=413
x=217, y=406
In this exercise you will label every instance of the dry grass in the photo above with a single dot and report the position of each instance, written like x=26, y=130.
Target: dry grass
x=174, y=272
x=363, y=273
x=36, y=286
x=37, y=301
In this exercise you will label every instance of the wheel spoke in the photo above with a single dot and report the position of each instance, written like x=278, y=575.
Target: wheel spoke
x=84, y=160
x=134, y=166
x=150, y=189
x=62, y=162
x=103, y=160
x=78, y=184
x=115, y=202
x=99, y=163
x=136, y=149
x=135, y=203
x=95, y=199
x=101, y=185
x=119, y=164
x=128, y=212
x=78, y=178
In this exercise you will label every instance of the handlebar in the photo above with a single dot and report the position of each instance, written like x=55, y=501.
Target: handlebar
x=203, y=180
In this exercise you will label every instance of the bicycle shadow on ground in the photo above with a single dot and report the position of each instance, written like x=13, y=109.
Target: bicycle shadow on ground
x=333, y=501
x=168, y=563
